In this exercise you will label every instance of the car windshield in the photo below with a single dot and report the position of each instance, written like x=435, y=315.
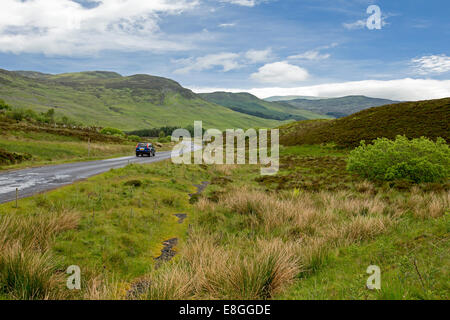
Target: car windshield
x=142, y=145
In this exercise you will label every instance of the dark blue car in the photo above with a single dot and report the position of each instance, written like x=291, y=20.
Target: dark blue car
x=145, y=148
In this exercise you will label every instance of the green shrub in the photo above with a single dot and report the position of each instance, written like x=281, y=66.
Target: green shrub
x=112, y=131
x=165, y=139
x=4, y=106
x=417, y=160
x=134, y=138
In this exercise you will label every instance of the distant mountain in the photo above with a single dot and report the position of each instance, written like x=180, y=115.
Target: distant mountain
x=428, y=118
x=287, y=98
x=249, y=104
x=339, y=107
x=109, y=99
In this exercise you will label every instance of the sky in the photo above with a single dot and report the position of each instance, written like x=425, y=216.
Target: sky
x=265, y=47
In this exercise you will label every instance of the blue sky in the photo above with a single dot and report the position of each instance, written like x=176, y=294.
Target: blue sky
x=271, y=47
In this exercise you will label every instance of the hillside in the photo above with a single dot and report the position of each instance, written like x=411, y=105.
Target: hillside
x=339, y=107
x=429, y=118
x=288, y=98
x=249, y=104
x=109, y=99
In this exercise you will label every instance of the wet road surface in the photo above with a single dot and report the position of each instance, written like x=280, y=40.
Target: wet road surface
x=35, y=180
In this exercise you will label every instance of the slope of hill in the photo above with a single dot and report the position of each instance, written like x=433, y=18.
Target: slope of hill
x=430, y=118
x=288, y=98
x=109, y=99
x=249, y=104
x=339, y=107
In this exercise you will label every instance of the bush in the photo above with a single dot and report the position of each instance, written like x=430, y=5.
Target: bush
x=417, y=160
x=134, y=138
x=4, y=106
x=165, y=139
x=112, y=132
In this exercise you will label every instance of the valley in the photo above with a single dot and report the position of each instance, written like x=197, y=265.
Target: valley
x=162, y=231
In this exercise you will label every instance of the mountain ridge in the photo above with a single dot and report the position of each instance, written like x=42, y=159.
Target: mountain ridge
x=247, y=103
x=341, y=106
x=126, y=102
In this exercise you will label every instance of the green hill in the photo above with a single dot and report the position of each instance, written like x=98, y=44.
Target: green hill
x=109, y=99
x=249, y=104
x=339, y=107
x=288, y=98
x=429, y=118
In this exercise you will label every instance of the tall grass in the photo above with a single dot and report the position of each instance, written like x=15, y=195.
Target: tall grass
x=252, y=244
x=27, y=268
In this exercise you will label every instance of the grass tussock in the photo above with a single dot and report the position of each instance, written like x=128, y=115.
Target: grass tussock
x=426, y=205
x=253, y=244
x=27, y=268
x=211, y=271
x=99, y=288
x=27, y=274
x=36, y=231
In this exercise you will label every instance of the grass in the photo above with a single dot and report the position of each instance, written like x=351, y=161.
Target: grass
x=27, y=268
x=120, y=231
x=398, y=252
x=309, y=233
x=269, y=241
x=46, y=148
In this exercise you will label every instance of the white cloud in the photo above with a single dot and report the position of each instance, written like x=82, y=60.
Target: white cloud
x=64, y=27
x=310, y=55
x=227, y=25
x=432, y=64
x=359, y=24
x=227, y=60
x=399, y=89
x=245, y=3
x=256, y=56
x=280, y=73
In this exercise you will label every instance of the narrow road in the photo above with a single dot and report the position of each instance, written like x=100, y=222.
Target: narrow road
x=35, y=180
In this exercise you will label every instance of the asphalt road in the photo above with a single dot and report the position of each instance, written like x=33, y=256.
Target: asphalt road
x=36, y=180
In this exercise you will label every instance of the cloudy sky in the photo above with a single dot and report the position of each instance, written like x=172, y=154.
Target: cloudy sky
x=266, y=47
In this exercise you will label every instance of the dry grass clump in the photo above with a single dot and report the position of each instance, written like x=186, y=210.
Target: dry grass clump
x=225, y=169
x=365, y=187
x=308, y=213
x=36, y=231
x=175, y=284
x=426, y=205
x=27, y=269
x=212, y=271
x=99, y=288
x=28, y=274
x=358, y=229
